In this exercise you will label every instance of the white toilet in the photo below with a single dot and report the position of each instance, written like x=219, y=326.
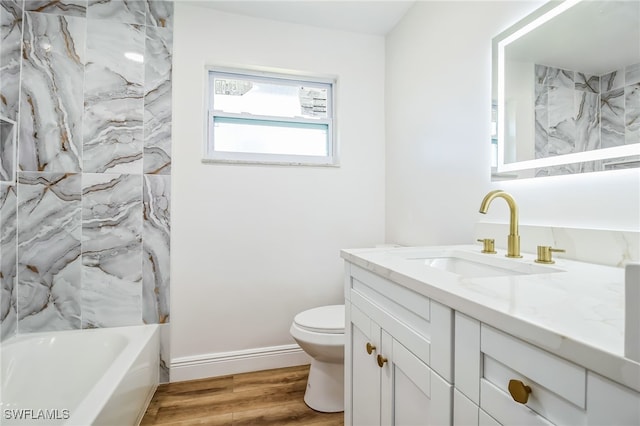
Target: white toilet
x=320, y=333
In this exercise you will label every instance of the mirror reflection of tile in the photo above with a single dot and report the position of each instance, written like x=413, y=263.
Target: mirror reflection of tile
x=576, y=112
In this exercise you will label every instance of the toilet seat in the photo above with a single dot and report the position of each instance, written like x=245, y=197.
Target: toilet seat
x=324, y=319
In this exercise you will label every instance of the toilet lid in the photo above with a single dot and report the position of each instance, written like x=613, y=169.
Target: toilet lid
x=325, y=319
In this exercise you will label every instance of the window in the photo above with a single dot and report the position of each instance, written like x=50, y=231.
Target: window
x=269, y=118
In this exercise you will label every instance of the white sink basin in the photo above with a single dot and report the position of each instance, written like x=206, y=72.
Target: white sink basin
x=476, y=265
x=467, y=268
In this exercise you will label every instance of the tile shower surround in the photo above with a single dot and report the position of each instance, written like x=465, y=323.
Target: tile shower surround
x=85, y=223
x=577, y=112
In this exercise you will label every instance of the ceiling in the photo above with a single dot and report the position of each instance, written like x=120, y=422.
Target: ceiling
x=376, y=17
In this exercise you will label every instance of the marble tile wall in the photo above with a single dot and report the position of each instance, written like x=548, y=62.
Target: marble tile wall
x=576, y=112
x=85, y=222
x=7, y=149
x=600, y=246
x=11, y=23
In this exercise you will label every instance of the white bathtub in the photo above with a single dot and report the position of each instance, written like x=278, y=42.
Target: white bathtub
x=82, y=377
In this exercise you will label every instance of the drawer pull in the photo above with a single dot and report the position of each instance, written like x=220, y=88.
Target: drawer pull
x=519, y=391
x=381, y=361
x=370, y=348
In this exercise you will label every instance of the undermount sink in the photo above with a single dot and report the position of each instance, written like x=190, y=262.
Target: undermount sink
x=476, y=265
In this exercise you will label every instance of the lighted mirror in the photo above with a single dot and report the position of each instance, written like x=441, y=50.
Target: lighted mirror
x=566, y=87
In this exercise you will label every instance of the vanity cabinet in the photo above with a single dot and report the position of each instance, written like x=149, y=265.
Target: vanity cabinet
x=398, y=354
x=491, y=366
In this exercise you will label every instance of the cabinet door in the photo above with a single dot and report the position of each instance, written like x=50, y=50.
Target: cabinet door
x=365, y=373
x=417, y=395
x=556, y=387
x=465, y=412
x=486, y=420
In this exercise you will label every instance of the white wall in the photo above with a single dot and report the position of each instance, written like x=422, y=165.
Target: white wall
x=254, y=245
x=437, y=119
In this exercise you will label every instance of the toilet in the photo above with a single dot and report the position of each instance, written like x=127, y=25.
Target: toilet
x=320, y=333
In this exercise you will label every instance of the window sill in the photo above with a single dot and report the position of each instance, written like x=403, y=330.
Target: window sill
x=268, y=163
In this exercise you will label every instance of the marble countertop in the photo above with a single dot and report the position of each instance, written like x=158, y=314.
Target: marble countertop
x=575, y=311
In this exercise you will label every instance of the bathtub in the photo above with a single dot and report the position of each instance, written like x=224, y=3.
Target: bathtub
x=82, y=377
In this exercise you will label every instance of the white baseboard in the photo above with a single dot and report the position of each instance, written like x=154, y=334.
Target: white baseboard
x=235, y=362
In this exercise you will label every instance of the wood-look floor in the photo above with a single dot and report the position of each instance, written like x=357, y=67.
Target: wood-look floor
x=272, y=397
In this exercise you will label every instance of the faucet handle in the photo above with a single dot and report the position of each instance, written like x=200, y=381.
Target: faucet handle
x=544, y=254
x=488, y=245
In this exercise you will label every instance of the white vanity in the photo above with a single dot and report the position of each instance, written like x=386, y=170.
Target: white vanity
x=446, y=335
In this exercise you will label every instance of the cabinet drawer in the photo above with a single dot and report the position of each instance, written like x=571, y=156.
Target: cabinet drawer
x=416, y=342
x=558, y=387
x=425, y=327
x=554, y=373
x=610, y=403
x=497, y=402
x=415, y=309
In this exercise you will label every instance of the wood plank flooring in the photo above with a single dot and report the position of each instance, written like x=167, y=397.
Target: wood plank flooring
x=272, y=397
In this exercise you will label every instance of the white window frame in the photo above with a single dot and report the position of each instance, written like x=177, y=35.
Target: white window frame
x=211, y=155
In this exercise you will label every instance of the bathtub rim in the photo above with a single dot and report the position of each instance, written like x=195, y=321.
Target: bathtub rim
x=92, y=404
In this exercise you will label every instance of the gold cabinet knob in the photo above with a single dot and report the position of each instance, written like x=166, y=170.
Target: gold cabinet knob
x=519, y=391
x=488, y=245
x=370, y=348
x=544, y=254
x=381, y=361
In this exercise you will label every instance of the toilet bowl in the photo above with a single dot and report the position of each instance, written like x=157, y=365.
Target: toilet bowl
x=320, y=333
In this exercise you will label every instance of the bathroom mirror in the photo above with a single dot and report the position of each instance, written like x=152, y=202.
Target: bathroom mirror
x=566, y=90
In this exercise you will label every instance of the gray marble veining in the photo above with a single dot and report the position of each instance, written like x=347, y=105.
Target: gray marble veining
x=88, y=83
x=554, y=77
x=612, y=115
x=562, y=125
x=605, y=114
x=160, y=13
x=8, y=252
x=587, y=83
x=157, y=101
x=51, y=99
x=156, y=247
x=632, y=113
x=541, y=117
x=587, y=121
x=8, y=130
x=114, y=85
x=612, y=80
x=111, y=250
x=58, y=7
x=165, y=356
x=10, y=48
x=127, y=11
x=10, y=53
x=49, y=209
x=569, y=169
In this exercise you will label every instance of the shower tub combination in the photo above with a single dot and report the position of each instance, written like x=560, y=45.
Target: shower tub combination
x=81, y=377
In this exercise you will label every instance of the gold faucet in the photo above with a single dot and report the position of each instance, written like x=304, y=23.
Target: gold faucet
x=513, y=241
